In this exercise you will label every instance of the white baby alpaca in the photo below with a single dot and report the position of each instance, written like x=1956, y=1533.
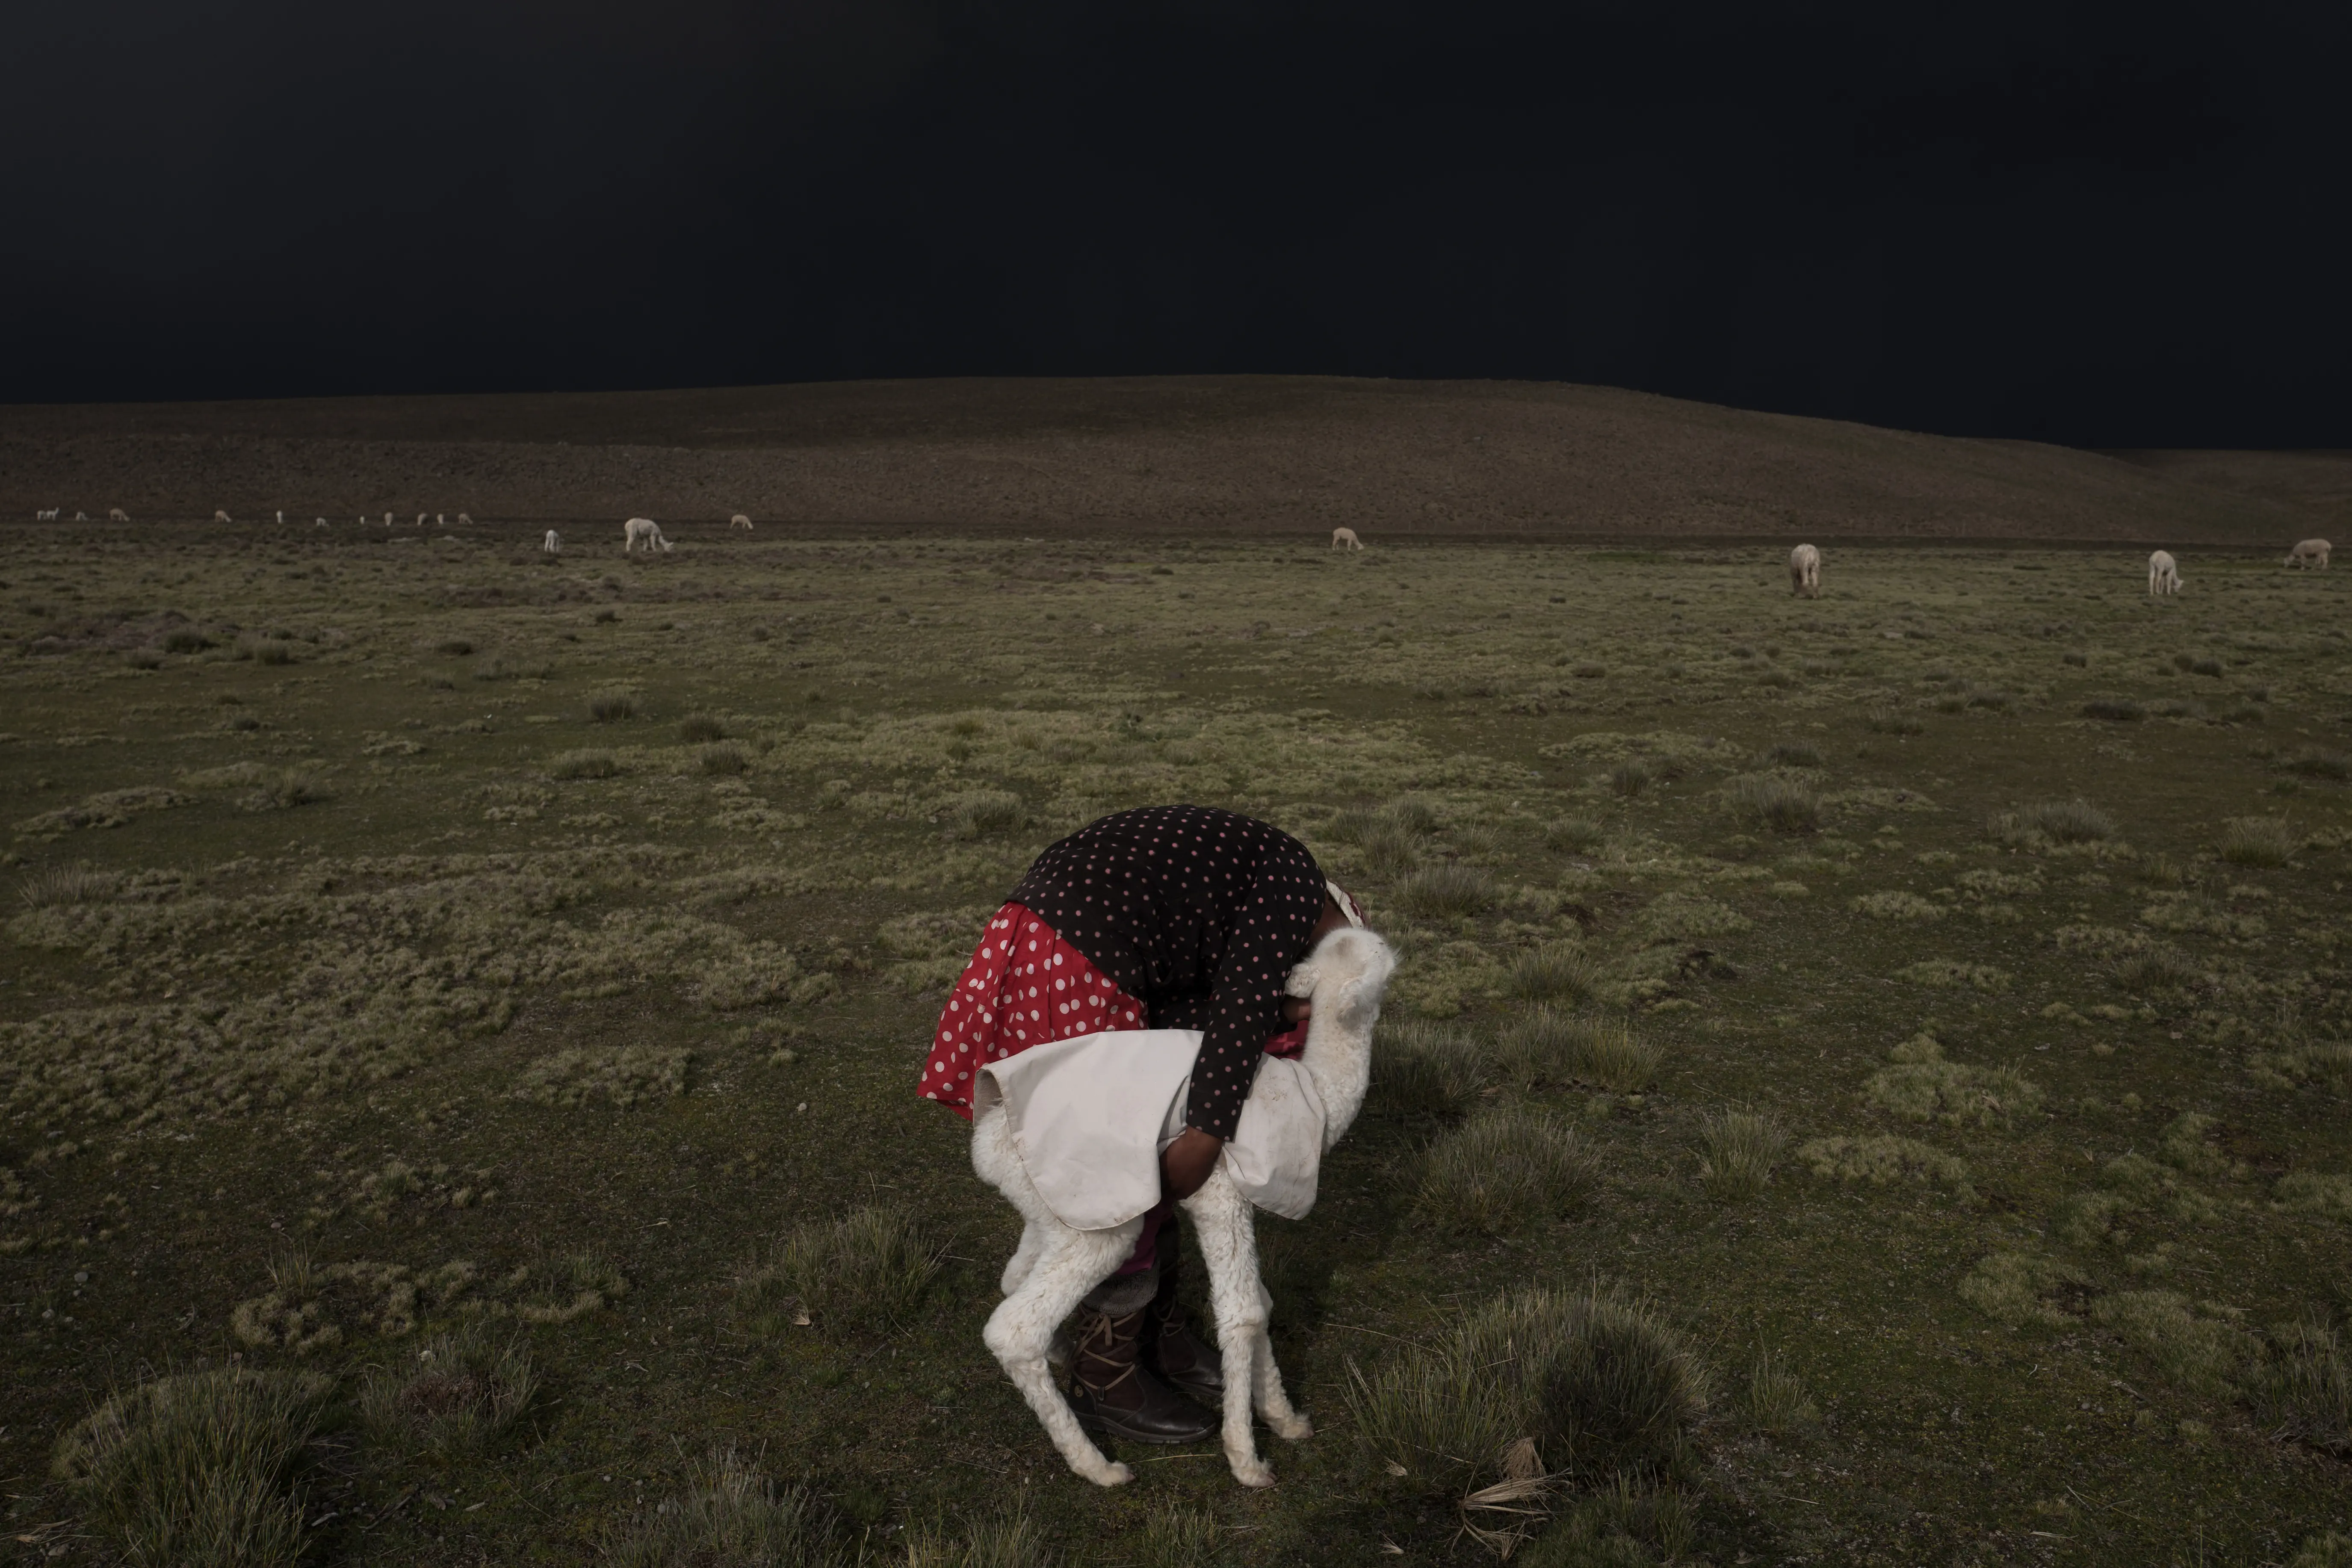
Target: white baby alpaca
x=2163, y=576
x=1805, y=571
x=1055, y=1267
x=642, y=530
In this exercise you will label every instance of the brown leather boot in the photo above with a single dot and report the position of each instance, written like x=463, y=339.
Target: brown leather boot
x=1169, y=1346
x=1112, y=1394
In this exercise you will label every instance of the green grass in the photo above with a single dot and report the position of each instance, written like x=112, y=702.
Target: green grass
x=510, y=1019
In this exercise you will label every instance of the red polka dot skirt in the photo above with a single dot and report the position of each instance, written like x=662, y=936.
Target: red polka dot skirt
x=1023, y=986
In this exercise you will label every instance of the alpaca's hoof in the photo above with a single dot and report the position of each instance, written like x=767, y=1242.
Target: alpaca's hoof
x=1112, y=1474
x=1292, y=1428
x=1253, y=1472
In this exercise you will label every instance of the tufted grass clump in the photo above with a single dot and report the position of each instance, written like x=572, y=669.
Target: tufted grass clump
x=2159, y=968
x=611, y=707
x=734, y=1516
x=863, y=1272
x=1561, y=971
x=1446, y=891
x=457, y=1396
x=1607, y=1053
x=1009, y=1540
x=1412, y=814
x=1793, y=754
x=283, y=789
x=982, y=813
x=1427, y=1067
x=1574, y=835
x=2319, y=763
x=1176, y=1536
x=2259, y=841
x=695, y=729
x=1540, y=1380
x=2114, y=709
x=1390, y=849
x=204, y=1470
x=2068, y=821
x=1628, y=779
x=1742, y=1148
x=54, y=885
x=1891, y=721
x=1771, y=800
x=1538, y=1046
x=1505, y=1169
x=1777, y=1399
x=2302, y=1390
x=725, y=759
x=589, y=763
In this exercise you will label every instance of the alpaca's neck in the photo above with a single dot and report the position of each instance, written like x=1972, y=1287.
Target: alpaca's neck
x=1340, y=1060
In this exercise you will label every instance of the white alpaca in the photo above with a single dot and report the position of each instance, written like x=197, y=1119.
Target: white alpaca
x=2163, y=576
x=82, y=517
x=1805, y=571
x=2310, y=552
x=322, y=522
x=1345, y=539
x=465, y=521
x=739, y=520
x=48, y=516
x=420, y=520
x=642, y=530
x=388, y=520
x=116, y=514
x=219, y=516
x=553, y=543
x=1055, y=1267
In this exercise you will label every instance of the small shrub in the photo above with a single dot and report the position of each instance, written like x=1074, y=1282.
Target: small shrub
x=1629, y=779
x=1793, y=754
x=1573, y=835
x=2116, y=709
x=2160, y=969
x=1390, y=849
x=273, y=652
x=455, y=647
x=611, y=707
x=866, y=1270
x=1536, y=1047
x=1622, y=1394
x=725, y=758
x=1502, y=1170
x=698, y=727
x=1742, y=1147
x=144, y=659
x=1440, y=892
x=457, y=1396
x=1769, y=800
x=1891, y=721
x=2208, y=666
x=285, y=788
x=185, y=639
x=1426, y=1067
x=202, y=1469
x=1412, y=814
x=2079, y=659
x=2259, y=841
x=591, y=763
x=2302, y=1390
x=735, y=1518
x=1560, y=973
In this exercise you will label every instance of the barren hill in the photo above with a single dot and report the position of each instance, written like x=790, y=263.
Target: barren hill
x=1251, y=453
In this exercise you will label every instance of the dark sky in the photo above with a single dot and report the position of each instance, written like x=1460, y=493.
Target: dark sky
x=2104, y=227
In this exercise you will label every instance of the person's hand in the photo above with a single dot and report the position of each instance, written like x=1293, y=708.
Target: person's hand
x=1186, y=1163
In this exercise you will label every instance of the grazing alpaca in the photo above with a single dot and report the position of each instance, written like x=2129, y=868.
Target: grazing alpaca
x=465, y=521
x=48, y=516
x=1057, y=1265
x=739, y=520
x=1345, y=539
x=219, y=516
x=2310, y=552
x=1805, y=571
x=116, y=514
x=2163, y=576
x=553, y=543
x=642, y=530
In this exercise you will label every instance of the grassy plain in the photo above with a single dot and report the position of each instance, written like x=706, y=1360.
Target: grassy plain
x=1931, y=1000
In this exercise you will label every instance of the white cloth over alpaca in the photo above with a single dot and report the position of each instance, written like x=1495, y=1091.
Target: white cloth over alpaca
x=1090, y=1116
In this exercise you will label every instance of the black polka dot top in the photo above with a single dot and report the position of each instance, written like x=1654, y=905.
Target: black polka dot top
x=1197, y=913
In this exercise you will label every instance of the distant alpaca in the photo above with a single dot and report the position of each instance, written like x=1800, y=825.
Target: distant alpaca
x=1345, y=539
x=2311, y=553
x=388, y=520
x=645, y=530
x=82, y=517
x=1805, y=571
x=48, y=516
x=739, y=520
x=553, y=543
x=465, y=521
x=1056, y=1266
x=420, y=520
x=2163, y=576
x=116, y=514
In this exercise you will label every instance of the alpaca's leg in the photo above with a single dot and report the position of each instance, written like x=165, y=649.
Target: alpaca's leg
x=1024, y=1258
x=1220, y=1219
x=1069, y=1264
x=1289, y=1423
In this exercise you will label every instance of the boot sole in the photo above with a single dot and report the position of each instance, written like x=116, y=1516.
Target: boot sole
x=1101, y=1428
